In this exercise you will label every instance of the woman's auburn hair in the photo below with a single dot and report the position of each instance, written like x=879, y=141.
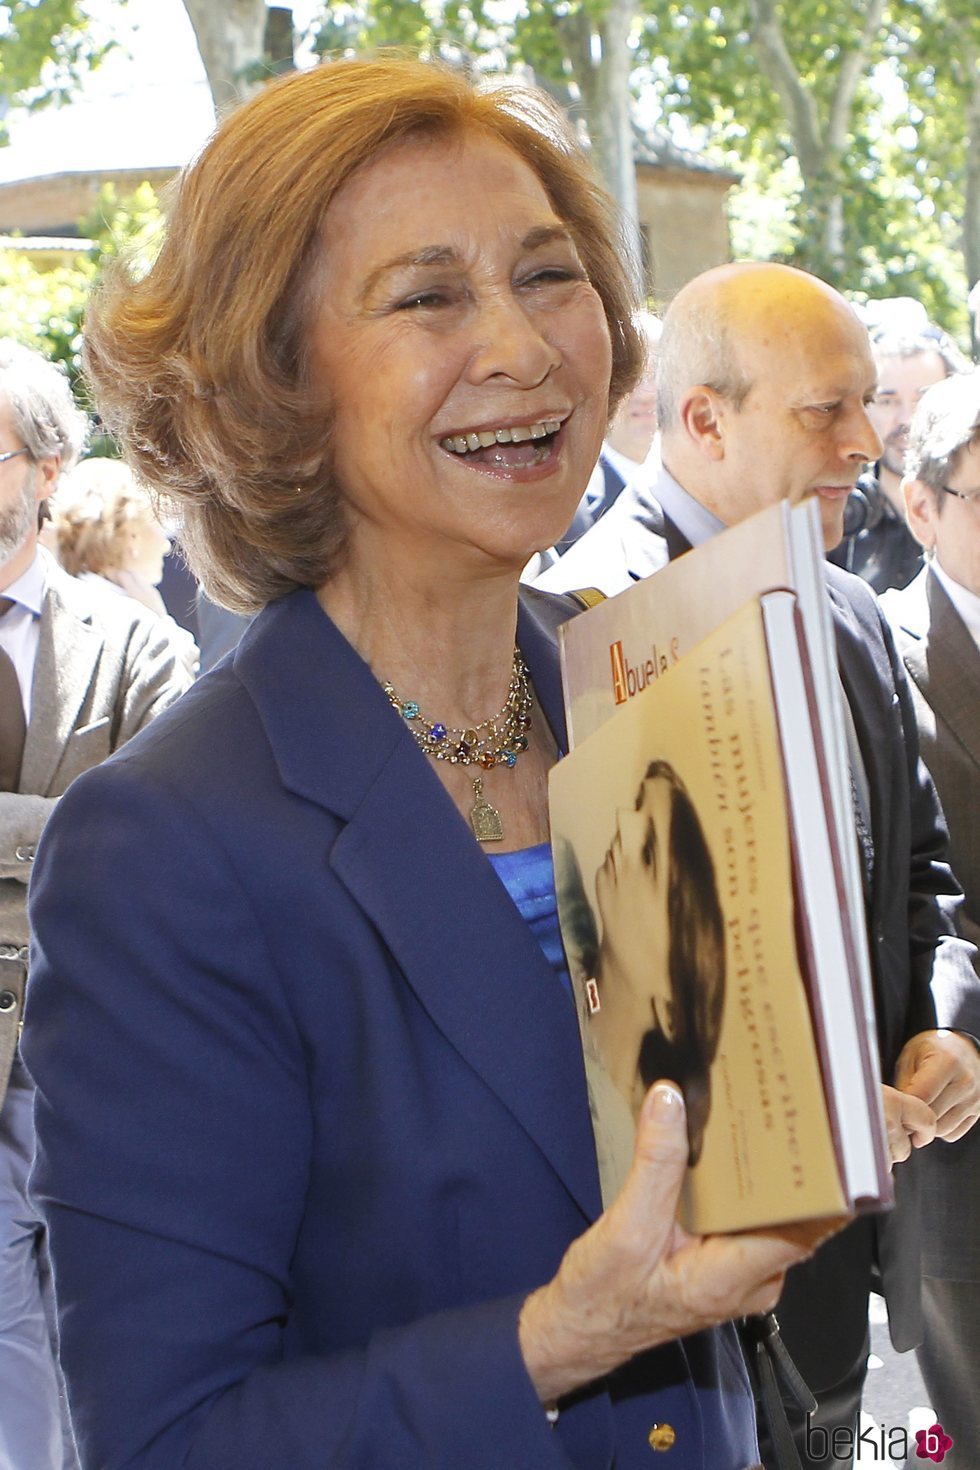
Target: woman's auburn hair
x=201, y=367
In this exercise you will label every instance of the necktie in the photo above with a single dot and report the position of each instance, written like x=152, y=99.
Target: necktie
x=12, y=726
x=860, y=798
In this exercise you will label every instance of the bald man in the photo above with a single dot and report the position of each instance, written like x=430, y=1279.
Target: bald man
x=764, y=383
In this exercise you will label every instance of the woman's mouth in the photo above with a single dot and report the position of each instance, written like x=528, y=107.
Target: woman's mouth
x=513, y=447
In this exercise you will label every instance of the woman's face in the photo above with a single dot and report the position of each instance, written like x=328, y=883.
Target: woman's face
x=464, y=355
x=631, y=891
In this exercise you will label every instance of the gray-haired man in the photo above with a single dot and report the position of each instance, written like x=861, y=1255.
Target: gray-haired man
x=937, y=627
x=81, y=670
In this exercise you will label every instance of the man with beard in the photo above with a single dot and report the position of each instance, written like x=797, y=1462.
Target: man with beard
x=879, y=547
x=81, y=670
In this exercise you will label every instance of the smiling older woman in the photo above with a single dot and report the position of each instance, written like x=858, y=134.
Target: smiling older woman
x=315, y=1148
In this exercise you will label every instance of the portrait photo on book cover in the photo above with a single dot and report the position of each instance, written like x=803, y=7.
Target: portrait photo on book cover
x=674, y=878
x=650, y=962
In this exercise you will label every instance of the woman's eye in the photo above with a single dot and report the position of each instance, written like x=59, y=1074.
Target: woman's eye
x=552, y=275
x=423, y=300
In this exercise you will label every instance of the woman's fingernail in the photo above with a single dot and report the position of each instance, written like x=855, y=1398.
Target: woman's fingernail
x=665, y=1102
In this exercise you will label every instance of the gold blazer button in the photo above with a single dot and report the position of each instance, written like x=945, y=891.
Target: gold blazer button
x=662, y=1437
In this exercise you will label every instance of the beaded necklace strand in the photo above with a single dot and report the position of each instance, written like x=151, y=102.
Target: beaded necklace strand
x=496, y=741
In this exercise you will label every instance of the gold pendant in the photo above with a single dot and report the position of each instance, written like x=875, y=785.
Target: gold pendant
x=484, y=818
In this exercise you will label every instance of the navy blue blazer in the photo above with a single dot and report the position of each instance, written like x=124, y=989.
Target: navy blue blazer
x=312, y=1116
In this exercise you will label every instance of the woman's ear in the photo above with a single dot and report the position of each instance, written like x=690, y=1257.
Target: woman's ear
x=921, y=511
x=701, y=414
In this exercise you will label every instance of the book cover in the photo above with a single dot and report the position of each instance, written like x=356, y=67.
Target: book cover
x=625, y=643
x=673, y=870
x=621, y=647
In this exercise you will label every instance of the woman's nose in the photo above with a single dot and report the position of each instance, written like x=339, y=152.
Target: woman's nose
x=513, y=344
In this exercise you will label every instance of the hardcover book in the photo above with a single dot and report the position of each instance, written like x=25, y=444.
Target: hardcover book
x=699, y=867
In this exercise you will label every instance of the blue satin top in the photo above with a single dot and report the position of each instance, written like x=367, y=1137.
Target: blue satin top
x=529, y=877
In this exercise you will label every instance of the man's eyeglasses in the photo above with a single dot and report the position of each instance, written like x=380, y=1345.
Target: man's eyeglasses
x=12, y=454
x=972, y=497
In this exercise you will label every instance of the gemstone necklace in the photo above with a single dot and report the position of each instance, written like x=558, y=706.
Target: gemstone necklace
x=496, y=741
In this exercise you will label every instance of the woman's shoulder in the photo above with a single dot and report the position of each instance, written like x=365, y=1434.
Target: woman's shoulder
x=548, y=610
x=189, y=749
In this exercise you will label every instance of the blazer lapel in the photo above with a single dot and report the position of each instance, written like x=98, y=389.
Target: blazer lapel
x=865, y=696
x=67, y=657
x=677, y=542
x=945, y=664
x=408, y=859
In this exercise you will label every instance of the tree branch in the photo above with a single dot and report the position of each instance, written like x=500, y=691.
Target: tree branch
x=853, y=64
x=772, y=52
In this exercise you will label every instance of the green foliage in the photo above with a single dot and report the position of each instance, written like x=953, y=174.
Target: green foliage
x=490, y=35
x=45, y=308
x=429, y=27
x=900, y=178
x=131, y=227
x=47, y=47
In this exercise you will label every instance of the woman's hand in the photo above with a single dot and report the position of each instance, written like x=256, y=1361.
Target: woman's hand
x=636, y=1279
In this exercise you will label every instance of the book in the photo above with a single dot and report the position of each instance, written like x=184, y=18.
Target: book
x=628, y=641
x=716, y=770
x=620, y=646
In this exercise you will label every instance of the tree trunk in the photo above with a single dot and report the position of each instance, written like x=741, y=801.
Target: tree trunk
x=279, y=45
x=601, y=63
x=971, y=213
x=820, y=145
x=822, y=247
x=230, y=37
x=610, y=114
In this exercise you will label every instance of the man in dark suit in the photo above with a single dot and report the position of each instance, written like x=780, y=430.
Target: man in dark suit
x=765, y=378
x=936, y=621
x=880, y=547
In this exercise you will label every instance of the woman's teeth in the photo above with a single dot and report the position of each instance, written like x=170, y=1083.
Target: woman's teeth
x=465, y=443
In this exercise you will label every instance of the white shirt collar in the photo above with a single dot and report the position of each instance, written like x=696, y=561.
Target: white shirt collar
x=694, y=521
x=967, y=603
x=29, y=588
